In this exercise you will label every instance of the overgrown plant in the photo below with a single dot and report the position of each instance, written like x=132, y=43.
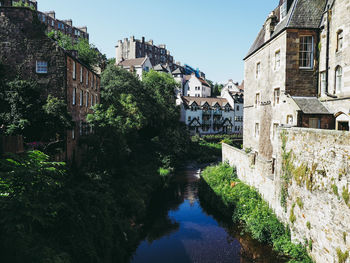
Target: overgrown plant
x=287, y=169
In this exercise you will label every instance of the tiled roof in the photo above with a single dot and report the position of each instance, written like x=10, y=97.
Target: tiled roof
x=310, y=105
x=301, y=14
x=132, y=62
x=200, y=101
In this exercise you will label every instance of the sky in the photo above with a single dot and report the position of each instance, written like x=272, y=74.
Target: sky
x=212, y=35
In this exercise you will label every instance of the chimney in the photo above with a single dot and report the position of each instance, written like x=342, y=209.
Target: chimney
x=143, y=39
x=270, y=25
x=132, y=39
x=51, y=14
x=84, y=29
x=178, y=63
x=68, y=22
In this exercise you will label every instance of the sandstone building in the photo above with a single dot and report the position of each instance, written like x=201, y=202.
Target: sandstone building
x=133, y=48
x=26, y=51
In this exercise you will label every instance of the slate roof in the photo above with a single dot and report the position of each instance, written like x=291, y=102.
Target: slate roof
x=160, y=67
x=132, y=62
x=178, y=71
x=301, y=14
x=310, y=105
x=201, y=101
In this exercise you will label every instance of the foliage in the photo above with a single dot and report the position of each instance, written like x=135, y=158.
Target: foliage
x=203, y=151
x=335, y=189
x=26, y=112
x=216, y=89
x=300, y=203
x=342, y=257
x=292, y=216
x=308, y=225
x=346, y=195
x=287, y=169
x=247, y=207
x=87, y=52
x=22, y=4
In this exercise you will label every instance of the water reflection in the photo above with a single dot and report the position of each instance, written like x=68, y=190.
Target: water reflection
x=183, y=228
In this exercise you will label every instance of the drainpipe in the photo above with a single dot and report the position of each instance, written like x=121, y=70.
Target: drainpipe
x=327, y=52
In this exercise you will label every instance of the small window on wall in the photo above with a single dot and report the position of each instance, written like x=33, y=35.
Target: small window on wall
x=87, y=78
x=73, y=134
x=74, y=96
x=87, y=99
x=338, y=79
x=306, y=53
x=274, y=134
x=41, y=67
x=95, y=99
x=74, y=70
x=81, y=74
x=258, y=70
x=289, y=119
x=81, y=98
x=257, y=99
x=314, y=123
x=276, y=96
x=189, y=118
x=339, y=40
x=257, y=130
x=277, y=60
x=283, y=10
x=323, y=82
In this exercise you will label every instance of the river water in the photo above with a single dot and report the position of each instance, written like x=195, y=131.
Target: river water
x=183, y=229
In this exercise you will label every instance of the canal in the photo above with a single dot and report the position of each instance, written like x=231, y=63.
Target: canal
x=183, y=229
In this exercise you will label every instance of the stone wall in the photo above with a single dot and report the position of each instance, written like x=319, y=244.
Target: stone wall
x=315, y=208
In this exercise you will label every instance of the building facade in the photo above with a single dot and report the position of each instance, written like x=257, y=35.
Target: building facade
x=133, y=48
x=196, y=87
x=334, y=67
x=137, y=65
x=58, y=72
x=280, y=76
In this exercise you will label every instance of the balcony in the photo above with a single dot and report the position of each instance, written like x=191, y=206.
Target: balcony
x=217, y=113
x=206, y=122
x=206, y=112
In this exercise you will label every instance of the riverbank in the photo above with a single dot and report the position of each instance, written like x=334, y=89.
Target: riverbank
x=244, y=205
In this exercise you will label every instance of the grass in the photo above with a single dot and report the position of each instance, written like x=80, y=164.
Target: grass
x=246, y=206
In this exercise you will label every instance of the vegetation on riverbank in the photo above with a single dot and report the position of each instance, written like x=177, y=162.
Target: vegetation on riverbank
x=241, y=202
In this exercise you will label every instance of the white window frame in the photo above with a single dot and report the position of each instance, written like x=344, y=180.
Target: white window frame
x=74, y=100
x=338, y=83
x=283, y=10
x=81, y=74
x=87, y=78
x=323, y=82
x=340, y=40
x=257, y=99
x=310, y=52
x=276, y=96
x=41, y=67
x=257, y=130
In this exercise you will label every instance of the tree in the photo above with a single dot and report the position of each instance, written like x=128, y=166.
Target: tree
x=87, y=53
x=216, y=90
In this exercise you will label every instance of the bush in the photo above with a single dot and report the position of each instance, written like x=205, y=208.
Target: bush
x=247, y=207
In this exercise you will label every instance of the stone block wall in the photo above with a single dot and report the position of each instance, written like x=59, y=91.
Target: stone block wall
x=318, y=187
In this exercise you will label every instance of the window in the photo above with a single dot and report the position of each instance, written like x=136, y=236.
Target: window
x=41, y=67
x=189, y=118
x=314, y=123
x=87, y=78
x=74, y=70
x=146, y=69
x=237, y=108
x=257, y=99
x=258, y=68
x=87, y=99
x=277, y=60
x=73, y=134
x=289, y=119
x=338, y=79
x=306, y=54
x=276, y=96
x=52, y=23
x=323, y=82
x=283, y=10
x=81, y=74
x=92, y=81
x=92, y=100
x=274, y=131
x=339, y=40
x=257, y=131
x=81, y=128
x=74, y=95
x=81, y=98
x=95, y=99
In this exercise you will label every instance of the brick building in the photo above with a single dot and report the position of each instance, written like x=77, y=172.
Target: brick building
x=133, y=48
x=27, y=52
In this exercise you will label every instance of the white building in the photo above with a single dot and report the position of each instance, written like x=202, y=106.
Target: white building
x=208, y=115
x=137, y=65
x=196, y=87
x=233, y=93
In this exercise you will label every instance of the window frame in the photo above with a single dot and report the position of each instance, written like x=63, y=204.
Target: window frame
x=338, y=80
x=306, y=52
x=74, y=70
x=276, y=96
x=340, y=40
x=258, y=70
x=283, y=11
x=39, y=66
x=278, y=52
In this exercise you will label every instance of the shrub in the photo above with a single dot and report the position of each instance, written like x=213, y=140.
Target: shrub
x=342, y=257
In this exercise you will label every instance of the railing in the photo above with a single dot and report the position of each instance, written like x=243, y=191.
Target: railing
x=207, y=112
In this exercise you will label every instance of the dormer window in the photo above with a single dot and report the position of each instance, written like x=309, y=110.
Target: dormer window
x=283, y=10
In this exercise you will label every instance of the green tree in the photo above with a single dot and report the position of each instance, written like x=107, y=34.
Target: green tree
x=216, y=89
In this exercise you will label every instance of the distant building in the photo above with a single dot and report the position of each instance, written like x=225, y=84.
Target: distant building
x=58, y=72
x=138, y=65
x=208, y=115
x=133, y=48
x=196, y=87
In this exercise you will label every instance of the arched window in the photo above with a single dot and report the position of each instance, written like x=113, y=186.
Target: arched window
x=338, y=79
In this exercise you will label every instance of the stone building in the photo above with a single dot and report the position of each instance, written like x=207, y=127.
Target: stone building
x=27, y=52
x=50, y=20
x=133, y=48
x=334, y=67
x=207, y=115
x=281, y=76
